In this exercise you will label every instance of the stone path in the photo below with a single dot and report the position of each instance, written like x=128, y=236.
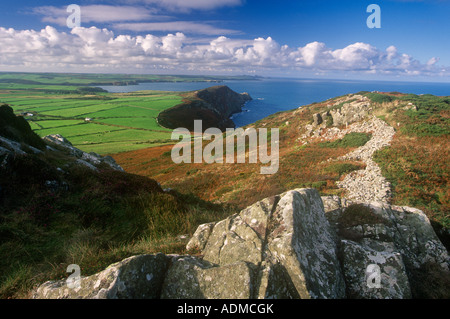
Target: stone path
x=368, y=184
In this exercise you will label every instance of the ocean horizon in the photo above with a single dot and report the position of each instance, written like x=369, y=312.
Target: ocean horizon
x=272, y=95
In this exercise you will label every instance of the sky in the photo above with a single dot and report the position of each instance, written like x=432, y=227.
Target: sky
x=295, y=38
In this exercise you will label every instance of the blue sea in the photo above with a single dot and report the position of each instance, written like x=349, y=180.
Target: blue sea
x=273, y=95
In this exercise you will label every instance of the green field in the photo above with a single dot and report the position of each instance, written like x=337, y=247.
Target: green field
x=91, y=119
x=114, y=126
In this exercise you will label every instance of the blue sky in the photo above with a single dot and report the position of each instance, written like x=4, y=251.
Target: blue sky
x=320, y=38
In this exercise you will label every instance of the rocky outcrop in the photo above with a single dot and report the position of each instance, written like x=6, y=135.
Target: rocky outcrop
x=133, y=278
x=10, y=147
x=398, y=240
x=392, y=283
x=16, y=128
x=317, y=119
x=193, y=278
x=272, y=235
x=294, y=245
x=60, y=148
x=349, y=114
x=351, y=109
x=90, y=160
x=344, y=111
x=213, y=106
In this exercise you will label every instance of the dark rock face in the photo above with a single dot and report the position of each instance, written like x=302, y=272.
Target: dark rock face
x=317, y=118
x=16, y=128
x=213, y=106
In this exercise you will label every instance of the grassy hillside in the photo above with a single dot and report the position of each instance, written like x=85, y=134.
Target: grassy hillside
x=242, y=184
x=54, y=213
x=416, y=163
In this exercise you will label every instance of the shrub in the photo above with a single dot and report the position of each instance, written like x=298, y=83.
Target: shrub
x=343, y=168
x=319, y=185
x=329, y=121
x=380, y=98
x=350, y=140
x=430, y=281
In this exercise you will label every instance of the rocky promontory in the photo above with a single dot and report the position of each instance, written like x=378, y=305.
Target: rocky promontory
x=213, y=106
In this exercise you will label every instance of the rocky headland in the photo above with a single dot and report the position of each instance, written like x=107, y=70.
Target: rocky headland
x=214, y=106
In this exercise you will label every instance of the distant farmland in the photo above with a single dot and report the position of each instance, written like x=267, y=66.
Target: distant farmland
x=123, y=123
x=100, y=122
x=61, y=103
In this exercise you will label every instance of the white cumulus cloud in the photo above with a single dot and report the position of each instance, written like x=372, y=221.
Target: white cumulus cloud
x=101, y=50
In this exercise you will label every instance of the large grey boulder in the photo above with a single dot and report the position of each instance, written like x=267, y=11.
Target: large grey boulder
x=302, y=242
x=200, y=237
x=392, y=282
x=139, y=277
x=415, y=237
x=356, y=109
x=286, y=236
x=240, y=237
x=399, y=240
x=192, y=278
